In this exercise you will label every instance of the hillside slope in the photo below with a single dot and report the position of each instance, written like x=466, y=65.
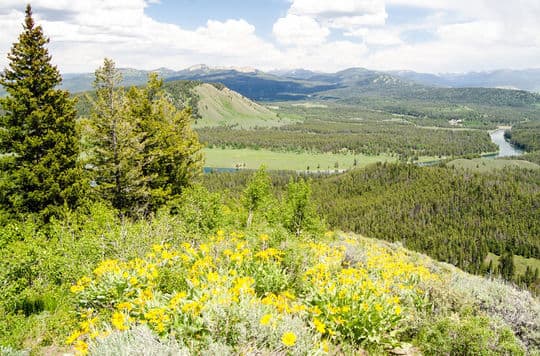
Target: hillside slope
x=339, y=293
x=220, y=106
x=212, y=105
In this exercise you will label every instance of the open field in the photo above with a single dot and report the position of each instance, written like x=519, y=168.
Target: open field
x=489, y=164
x=520, y=262
x=225, y=158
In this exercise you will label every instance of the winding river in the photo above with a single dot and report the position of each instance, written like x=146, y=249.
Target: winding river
x=505, y=148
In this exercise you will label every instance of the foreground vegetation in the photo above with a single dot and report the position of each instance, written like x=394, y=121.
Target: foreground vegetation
x=453, y=215
x=198, y=281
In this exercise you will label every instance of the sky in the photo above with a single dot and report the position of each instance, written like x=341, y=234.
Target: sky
x=434, y=36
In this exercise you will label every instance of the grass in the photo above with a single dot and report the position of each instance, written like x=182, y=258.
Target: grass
x=490, y=164
x=253, y=159
x=520, y=262
x=227, y=108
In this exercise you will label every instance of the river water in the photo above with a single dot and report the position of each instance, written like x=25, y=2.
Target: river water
x=505, y=148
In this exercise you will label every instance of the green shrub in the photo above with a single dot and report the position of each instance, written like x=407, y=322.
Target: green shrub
x=198, y=209
x=468, y=335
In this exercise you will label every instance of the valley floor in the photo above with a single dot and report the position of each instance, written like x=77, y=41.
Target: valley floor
x=296, y=161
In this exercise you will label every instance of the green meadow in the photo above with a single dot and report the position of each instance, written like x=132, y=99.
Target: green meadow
x=253, y=159
x=521, y=263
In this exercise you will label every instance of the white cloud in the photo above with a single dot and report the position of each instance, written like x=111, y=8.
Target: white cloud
x=299, y=30
x=326, y=57
x=342, y=13
x=317, y=34
x=377, y=37
x=93, y=29
x=477, y=32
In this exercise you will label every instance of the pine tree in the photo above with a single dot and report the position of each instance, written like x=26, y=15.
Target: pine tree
x=116, y=148
x=506, y=265
x=299, y=213
x=257, y=193
x=172, y=155
x=143, y=150
x=39, y=145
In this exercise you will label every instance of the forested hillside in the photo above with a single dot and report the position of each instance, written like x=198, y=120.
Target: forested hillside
x=525, y=135
x=370, y=138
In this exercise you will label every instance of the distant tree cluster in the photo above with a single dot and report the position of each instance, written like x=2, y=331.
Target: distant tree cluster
x=371, y=138
x=525, y=135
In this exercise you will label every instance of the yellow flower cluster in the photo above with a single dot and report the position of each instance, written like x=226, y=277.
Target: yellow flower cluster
x=361, y=300
x=336, y=297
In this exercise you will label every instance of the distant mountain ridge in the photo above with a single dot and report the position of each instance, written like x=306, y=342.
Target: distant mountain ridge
x=346, y=85
x=525, y=79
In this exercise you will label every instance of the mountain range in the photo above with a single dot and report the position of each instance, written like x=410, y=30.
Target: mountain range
x=353, y=85
x=288, y=84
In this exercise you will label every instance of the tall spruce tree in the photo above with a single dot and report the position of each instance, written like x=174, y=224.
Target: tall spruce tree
x=506, y=265
x=144, y=151
x=171, y=149
x=39, y=145
x=116, y=147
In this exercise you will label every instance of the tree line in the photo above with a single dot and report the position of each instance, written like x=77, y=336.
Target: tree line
x=370, y=138
x=525, y=135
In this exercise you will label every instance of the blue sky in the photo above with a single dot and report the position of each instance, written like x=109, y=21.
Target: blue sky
x=191, y=14
x=324, y=35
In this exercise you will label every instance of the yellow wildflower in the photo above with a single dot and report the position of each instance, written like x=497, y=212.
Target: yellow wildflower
x=124, y=306
x=288, y=339
x=74, y=336
x=324, y=346
x=270, y=253
x=133, y=281
x=118, y=321
x=176, y=299
x=107, y=266
x=81, y=347
x=212, y=277
x=319, y=325
x=194, y=308
x=265, y=320
x=76, y=288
